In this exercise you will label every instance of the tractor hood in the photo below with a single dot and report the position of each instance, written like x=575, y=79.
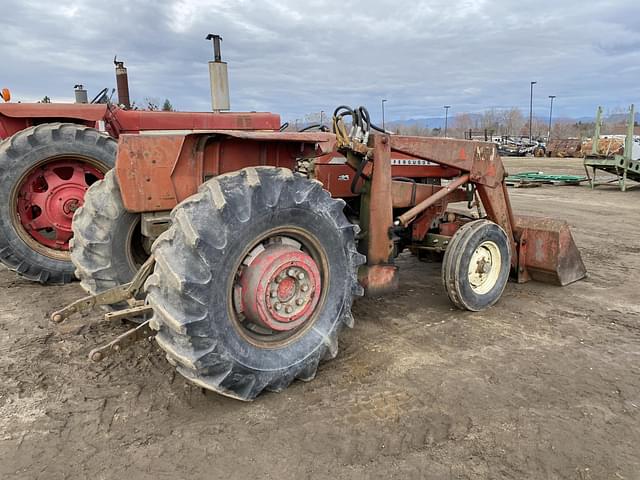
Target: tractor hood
x=88, y=112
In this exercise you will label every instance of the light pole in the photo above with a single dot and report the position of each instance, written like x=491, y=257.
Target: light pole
x=321, y=117
x=446, y=119
x=531, y=111
x=383, y=100
x=551, y=97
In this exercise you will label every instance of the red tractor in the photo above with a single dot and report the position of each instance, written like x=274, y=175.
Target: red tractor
x=251, y=245
x=50, y=154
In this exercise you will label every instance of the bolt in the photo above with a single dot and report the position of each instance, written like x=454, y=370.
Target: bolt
x=116, y=347
x=291, y=272
x=304, y=288
x=299, y=301
x=301, y=276
x=56, y=317
x=277, y=306
x=96, y=356
x=289, y=309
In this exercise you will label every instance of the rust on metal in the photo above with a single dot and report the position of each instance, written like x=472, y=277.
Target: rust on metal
x=122, y=84
x=378, y=279
x=378, y=218
x=498, y=209
x=156, y=172
x=407, y=217
x=479, y=159
x=547, y=251
x=408, y=194
x=280, y=288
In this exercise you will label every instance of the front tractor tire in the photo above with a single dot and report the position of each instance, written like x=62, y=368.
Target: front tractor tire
x=107, y=247
x=253, y=281
x=44, y=173
x=476, y=265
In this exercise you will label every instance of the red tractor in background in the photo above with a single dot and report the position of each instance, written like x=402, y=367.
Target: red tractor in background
x=50, y=154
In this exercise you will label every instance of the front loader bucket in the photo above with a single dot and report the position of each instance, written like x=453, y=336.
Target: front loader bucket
x=546, y=251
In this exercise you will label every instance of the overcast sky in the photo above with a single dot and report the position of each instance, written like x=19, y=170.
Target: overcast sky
x=295, y=57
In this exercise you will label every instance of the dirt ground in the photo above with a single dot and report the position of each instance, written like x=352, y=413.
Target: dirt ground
x=544, y=385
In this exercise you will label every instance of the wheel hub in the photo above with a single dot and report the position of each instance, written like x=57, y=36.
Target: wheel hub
x=49, y=196
x=279, y=288
x=484, y=267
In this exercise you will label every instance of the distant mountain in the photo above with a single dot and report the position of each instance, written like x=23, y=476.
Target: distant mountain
x=429, y=122
x=438, y=122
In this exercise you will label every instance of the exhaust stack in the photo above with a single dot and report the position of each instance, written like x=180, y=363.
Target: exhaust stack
x=80, y=93
x=122, y=84
x=218, y=77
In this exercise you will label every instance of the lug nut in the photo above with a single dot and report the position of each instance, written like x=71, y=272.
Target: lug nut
x=277, y=306
x=304, y=288
x=301, y=276
x=291, y=272
x=273, y=294
x=289, y=309
x=299, y=301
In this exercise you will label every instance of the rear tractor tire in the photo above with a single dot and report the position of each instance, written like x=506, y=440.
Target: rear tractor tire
x=253, y=281
x=44, y=173
x=476, y=265
x=107, y=247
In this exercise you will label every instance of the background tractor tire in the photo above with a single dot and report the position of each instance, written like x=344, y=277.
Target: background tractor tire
x=476, y=265
x=107, y=248
x=44, y=173
x=199, y=263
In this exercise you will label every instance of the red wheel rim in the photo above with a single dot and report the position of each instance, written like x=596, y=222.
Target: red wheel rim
x=48, y=197
x=279, y=287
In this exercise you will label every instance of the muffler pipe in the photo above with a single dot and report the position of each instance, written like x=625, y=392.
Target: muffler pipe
x=122, y=84
x=218, y=77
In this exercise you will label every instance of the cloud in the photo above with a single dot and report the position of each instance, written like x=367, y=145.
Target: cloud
x=297, y=57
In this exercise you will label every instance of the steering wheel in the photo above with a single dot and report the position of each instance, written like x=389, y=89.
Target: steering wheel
x=102, y=95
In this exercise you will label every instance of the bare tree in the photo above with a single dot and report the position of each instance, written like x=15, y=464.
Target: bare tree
x=462, y=122
x=512, y=121
x=413, y=129
x=151, y=104
x=491, y=120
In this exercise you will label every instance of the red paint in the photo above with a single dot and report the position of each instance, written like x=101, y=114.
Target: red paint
x=280, y=288
x=449, y=228
x=48, y=198
x=18, y=116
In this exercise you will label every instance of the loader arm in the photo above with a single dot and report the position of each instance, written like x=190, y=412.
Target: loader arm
x=541, y=248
